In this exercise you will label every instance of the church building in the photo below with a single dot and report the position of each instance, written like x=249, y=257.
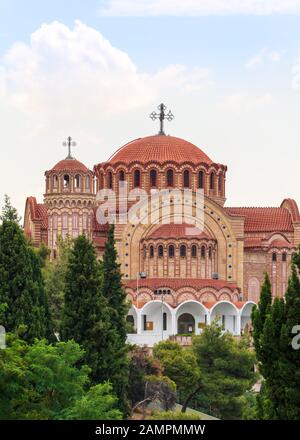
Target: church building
x=178, y=276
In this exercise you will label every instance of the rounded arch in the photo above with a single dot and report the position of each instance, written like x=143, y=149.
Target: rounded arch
x=190, y=301
x=224, y=302
x=156, y=301
x=248, y=303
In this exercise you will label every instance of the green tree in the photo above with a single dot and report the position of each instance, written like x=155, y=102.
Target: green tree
x=279, y=362
x=180, y=365
x=227, y=372
x=55, y=280
x=141, y=365
x=86, y=314
x=39, y=381
x=289, y=355
x=112, y=287
x=22, y=295
x=9, y=213
x=270, y=360
x=113, y=291
x=98, y=403
x=259, y=313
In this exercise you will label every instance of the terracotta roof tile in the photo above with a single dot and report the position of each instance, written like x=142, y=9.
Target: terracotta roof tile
x=160, y=149
x=70, y=165
x=178, y=231
x=177, y=283
x=264, y=219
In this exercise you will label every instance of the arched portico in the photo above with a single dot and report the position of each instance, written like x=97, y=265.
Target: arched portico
x=156, y=319
x=227, y=315
x=246, y=315
x=132, y=319
x=195, y=317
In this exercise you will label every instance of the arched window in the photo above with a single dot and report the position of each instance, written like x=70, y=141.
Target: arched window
x=253, y=289
x=170, y=178
x=220, y=183
x=194, y=251
x=160, y=251
x=54, y=221
x=110, y=180
x=153, y=178
x=186, y=179
x=164, y=321
x=284, y=257
x=183, y=251
x=201, y=180
x=100, y=182
x=209, y=253
x=55, y=181
x=88, y=182
x=151, y=252
x=274, y=257
x=84, y=221
x=121, y=176
x=66, y=181
x=137, y=178
x=77, y=181
x=203, y=251
x=212, y=181
x=171, y=251
x=75, y=221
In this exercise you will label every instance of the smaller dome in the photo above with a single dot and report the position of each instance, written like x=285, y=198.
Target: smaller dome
x=70, y=165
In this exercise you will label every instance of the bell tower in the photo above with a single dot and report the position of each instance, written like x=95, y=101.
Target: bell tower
x=70, y=199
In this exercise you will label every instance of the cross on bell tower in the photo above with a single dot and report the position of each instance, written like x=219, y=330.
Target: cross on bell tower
x=69, y=143
x=162, y=115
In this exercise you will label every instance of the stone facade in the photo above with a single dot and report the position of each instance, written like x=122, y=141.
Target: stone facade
x=222, y=258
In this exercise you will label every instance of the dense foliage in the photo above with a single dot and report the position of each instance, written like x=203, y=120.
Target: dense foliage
x=44, y=382
x=275, y=327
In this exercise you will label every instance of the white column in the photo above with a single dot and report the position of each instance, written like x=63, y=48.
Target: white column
x=174, y=323
x=238, y=324
x=138, y=322
x=208, y=319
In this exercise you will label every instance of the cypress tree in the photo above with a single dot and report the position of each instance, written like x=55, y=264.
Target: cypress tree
x=112, y=287
x=113, y=290
x=290, y=357
x=259, y=314
x=22, y=296
x=270, y=358
x=86, y=317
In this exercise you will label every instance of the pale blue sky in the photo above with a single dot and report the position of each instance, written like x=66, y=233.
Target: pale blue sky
x=231, y=80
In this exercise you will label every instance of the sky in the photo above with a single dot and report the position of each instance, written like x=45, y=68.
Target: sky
x=228, y=69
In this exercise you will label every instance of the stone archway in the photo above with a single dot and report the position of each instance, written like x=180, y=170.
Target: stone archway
x=186, y=324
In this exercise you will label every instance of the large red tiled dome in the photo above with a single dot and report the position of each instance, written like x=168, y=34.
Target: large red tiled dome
x=160, y=149
x=70, y=165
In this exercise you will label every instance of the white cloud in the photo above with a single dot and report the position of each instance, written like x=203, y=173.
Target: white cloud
x=244, y=102
x=70, y=74
x=263, y=57
x=198, y=7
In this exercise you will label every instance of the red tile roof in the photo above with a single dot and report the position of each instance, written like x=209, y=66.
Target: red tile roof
x=70, y=165
x=264, y=219
x=208, y=304
x=38, y=212
x=178, y=231
x=160, y=149
x=178, y=283
x=281, y=244
x=42, y=214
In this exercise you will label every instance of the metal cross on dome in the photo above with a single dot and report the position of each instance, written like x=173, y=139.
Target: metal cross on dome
x=69, y=143
x=162, y=115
